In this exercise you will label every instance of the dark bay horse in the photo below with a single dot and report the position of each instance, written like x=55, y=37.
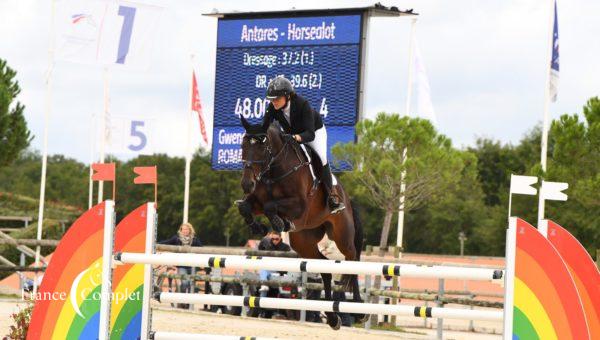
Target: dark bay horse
x=277, y=183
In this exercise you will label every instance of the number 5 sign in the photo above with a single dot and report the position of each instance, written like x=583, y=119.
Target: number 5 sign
x=131, y=135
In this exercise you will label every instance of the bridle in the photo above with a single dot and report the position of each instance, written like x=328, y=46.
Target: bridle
x=270, y=159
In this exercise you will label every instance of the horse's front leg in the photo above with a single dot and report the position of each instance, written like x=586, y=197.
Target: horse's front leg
x=290, y=207
x=248, y=208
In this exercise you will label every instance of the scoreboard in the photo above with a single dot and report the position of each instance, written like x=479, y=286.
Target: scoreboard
x=320, y=55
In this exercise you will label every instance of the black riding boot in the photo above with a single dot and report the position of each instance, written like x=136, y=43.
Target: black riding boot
x=333, y=201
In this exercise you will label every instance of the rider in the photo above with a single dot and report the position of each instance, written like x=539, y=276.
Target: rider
x=297, y=118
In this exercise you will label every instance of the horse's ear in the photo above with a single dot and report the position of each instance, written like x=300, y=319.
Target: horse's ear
x=245, y=123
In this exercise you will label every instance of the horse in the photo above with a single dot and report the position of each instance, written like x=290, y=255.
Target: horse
x=277, y=182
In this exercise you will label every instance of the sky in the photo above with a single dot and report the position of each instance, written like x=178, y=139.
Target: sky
x=487, y=63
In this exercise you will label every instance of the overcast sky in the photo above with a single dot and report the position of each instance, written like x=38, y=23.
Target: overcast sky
x=486, y=62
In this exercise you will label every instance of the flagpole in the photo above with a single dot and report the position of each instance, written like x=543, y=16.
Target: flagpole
x=92, y=144
x=188, y=156
x=103, y=128
x=404, y=152
x=47, y=113
x=546, y=119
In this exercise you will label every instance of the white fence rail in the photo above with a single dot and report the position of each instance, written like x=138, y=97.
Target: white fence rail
x=331, y=306
x=311, y=266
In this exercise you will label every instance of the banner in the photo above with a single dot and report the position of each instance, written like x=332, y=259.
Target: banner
x=131, y=135
x=108, y=33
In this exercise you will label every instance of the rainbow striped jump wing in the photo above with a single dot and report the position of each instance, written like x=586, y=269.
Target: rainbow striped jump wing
x=546, y=303
x=584, y=273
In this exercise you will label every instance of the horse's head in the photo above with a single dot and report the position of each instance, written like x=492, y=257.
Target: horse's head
x=258, y=148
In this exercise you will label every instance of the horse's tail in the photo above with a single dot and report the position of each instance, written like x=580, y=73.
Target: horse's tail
x=358, y=230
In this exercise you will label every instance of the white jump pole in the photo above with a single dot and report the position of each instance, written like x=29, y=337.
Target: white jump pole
x=106, y=289
x=148, y=282
x=191, y=336
x=311, y=266
x=332, y=306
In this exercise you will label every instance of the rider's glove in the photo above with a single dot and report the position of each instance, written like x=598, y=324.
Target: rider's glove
x=288, y=137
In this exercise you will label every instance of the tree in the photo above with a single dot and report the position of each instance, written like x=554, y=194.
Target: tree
x=378, y=163
x=14, y=135
x=575, y=159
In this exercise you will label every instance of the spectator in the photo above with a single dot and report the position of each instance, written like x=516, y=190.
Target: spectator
x=271, y=242
x=186, y=236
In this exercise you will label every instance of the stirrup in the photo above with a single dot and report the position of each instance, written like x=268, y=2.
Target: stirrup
x=338, y=205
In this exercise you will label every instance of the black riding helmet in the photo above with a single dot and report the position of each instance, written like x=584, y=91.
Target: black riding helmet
x=279, y=87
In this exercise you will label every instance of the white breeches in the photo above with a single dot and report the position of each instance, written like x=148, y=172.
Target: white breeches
x=319, y=144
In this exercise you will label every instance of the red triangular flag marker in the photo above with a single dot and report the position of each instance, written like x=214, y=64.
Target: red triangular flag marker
x=147, y=175
x=103, y=172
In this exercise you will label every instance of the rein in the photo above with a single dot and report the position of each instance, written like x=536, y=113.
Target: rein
x=271, y=161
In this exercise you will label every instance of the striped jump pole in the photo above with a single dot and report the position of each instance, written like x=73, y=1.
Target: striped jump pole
x=331, y=306
x=311, y=266
x=192, y=336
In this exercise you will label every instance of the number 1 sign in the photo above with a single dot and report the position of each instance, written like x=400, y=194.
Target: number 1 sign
x=110, y=33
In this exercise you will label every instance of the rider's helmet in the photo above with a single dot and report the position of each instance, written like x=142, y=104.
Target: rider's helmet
x=279, y=87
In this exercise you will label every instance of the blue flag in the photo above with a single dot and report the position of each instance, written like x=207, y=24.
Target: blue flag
x=554, y=64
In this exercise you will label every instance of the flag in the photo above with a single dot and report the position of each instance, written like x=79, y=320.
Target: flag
x=424, y=104
x=522, y=185
x=554, y=62
x=106, y=32
x=103, y=172
x=197, y=106
x=553, y=191
x=147, y=175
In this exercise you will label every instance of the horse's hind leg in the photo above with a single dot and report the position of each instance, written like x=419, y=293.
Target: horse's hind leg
x=304, y=242
x=333, y=320
x=344, y=240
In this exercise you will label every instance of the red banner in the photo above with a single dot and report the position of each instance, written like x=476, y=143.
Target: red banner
x=197, y=106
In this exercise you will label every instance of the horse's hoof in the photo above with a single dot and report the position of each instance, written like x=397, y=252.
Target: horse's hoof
x=361, y=318
x=277, y=223
x=334, y=322
x=258, y=229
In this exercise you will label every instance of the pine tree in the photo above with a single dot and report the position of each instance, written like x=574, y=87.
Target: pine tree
x=14, y=135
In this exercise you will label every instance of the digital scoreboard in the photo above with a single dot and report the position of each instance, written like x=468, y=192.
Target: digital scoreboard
x=320, y=55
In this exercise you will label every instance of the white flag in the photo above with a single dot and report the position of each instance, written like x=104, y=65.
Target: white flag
x=522, y=185
x=112, y=33
x=553, y=191
x=425, y=106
